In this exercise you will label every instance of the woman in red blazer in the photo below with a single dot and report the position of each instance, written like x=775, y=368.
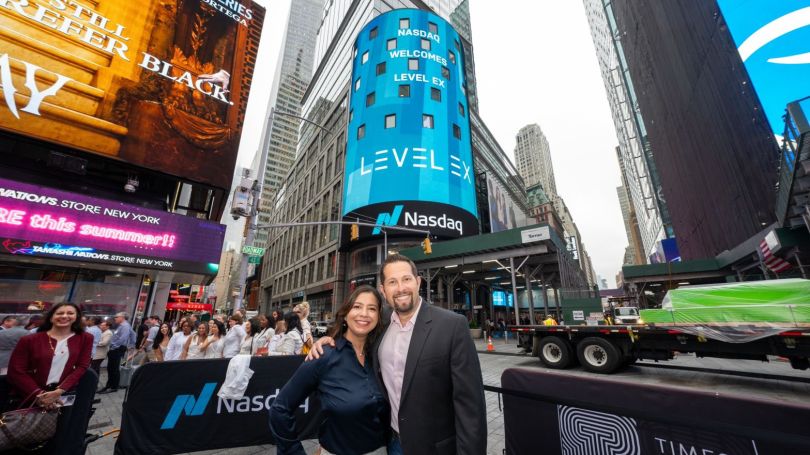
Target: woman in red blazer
x=50, y=362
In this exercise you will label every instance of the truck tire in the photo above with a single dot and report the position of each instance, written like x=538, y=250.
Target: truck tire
x=598, y=355
x=555, y=353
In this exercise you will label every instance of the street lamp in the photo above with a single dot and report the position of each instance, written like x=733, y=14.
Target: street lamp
x=256, y=191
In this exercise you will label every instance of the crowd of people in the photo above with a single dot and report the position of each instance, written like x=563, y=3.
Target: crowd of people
x=383, y=387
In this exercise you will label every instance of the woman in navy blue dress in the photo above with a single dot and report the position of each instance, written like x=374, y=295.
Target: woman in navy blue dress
x=355, y=410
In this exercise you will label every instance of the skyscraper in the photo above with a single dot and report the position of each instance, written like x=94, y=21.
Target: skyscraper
x=533, y=159
x=635, y=152
x=280, y=135
x=306, y=262
x=714, y=149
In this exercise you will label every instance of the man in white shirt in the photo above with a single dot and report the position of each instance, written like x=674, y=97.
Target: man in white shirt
x=178, y=340
x=235, y=336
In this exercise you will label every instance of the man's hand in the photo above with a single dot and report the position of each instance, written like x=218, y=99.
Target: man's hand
x=317, y=349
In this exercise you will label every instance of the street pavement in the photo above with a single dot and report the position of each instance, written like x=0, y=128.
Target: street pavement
x=507, y=355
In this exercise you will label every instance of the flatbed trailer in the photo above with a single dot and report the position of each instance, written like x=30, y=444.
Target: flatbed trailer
x=606, y=348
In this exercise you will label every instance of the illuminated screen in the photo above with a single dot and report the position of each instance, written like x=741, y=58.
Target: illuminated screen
x=159, y=84
x=41, y=221
x=502, y=298
x=409, y=158
x=773, y=39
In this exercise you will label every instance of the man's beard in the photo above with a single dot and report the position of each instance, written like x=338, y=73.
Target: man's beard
x=404, y=308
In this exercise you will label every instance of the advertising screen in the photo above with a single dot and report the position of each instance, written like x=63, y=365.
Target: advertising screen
x=502, y=298
x=409, y=159
x=504, y=213
x=40, y=221
x=773, y=39
x=162, y=85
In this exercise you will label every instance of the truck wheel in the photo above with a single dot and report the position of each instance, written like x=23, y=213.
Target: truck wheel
x=555, y=353
x=598, y=355
x=800, y=363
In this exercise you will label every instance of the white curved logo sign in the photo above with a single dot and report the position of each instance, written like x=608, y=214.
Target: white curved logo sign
x=775, y=30
x=773, y=41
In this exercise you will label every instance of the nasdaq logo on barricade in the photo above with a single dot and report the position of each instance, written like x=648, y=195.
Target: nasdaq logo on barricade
x=189, y=405
x=193, y=406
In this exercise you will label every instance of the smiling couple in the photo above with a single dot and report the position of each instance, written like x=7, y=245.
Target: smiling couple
x=411, y=385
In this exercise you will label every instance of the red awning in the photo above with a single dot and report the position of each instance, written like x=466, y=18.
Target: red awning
x=190, y=306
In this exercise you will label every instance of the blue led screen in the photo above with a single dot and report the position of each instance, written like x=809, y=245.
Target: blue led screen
x=773, y=39
x=409, y=158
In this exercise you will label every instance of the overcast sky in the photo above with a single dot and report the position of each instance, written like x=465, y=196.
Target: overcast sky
x=535, y=63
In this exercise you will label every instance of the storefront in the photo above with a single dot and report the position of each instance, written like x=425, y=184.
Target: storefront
x=106, y=256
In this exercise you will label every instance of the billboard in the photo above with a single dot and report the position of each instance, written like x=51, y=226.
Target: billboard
x=408, y=158
x=162, y=85
x=772, y=39
x=44, y=222
x=504, y=213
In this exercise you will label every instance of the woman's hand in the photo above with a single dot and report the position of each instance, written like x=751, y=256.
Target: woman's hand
x=50, y=400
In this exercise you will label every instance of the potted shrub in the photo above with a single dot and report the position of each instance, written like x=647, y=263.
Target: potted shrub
x=475, y=331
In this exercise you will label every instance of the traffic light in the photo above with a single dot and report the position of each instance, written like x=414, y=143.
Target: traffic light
x=355, y=232
x=426, y=246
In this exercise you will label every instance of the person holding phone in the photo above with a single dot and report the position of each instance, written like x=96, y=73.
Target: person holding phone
x=48, y=364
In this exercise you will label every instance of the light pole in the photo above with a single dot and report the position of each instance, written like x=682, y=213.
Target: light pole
x=256, y=191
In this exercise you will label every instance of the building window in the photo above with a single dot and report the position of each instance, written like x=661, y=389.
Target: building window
x=425, y=44
x=361, y=131
x=404, y=91
x=445, y=72
x=456, y=131
x=364, y=58
x=452, y=56
x=404, y=23
x=432, y=28
x=390, y=121
x=461, y=109
x=372, y=33
x=357, y=84
x=370, y=98
x=435, y=94
x=392, y=44
x=380, y=68
x=413, y=64
x=427, y=121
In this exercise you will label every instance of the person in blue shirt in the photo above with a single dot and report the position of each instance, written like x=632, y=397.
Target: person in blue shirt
x=355, y=410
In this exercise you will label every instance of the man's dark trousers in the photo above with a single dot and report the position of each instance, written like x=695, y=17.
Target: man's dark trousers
x=114, y=366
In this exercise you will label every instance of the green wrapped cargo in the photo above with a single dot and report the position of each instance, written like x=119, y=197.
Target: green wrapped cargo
x=770, y=303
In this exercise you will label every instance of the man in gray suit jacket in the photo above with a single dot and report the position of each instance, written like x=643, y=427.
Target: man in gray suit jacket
x=428, y=365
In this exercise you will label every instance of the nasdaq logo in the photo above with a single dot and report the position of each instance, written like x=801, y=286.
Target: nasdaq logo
x=387, y=219
x=188, y=405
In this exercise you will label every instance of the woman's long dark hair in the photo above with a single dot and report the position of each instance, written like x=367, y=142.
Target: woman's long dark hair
x=76, y=327
x=339, y=328
x=255, y=326
x=293, y=321
x=159, y=336
x=221, y=328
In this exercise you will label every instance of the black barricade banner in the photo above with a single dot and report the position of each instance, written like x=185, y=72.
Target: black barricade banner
x=173, y=407
x=556, y=414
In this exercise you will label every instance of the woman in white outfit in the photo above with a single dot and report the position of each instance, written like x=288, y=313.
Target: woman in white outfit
x=264, y=333
x=292, y=341
x=215, y=344
x=247, y=346
x=192, y=350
